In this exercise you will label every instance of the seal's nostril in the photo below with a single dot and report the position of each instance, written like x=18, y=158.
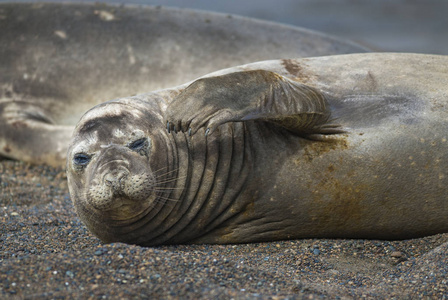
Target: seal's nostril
x=109, y=179
x=114, y=179
x=121, y=176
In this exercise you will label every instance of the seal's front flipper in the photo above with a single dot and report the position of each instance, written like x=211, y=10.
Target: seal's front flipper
x=26, y=134
x=250, y=95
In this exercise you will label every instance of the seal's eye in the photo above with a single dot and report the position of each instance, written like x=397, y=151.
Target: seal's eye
x=81, y=159
x=138, y=144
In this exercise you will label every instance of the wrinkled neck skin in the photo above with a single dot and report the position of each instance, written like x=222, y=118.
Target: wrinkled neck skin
x=199, y=189
x=198, y=185
x=212, y=172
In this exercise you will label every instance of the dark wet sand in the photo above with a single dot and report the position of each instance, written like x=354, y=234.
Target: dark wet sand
x=47, y=253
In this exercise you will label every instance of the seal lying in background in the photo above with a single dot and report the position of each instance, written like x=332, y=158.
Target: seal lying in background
x=58, y=60
x=350, y=146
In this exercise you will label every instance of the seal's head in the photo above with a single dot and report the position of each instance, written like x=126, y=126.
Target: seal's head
x=112, y=166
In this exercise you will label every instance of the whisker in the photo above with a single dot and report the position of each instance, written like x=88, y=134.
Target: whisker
x=160, y=189
x=166, y=199
x=158, y=170
x=166, y=173
x=169, y=180
x=166, y=168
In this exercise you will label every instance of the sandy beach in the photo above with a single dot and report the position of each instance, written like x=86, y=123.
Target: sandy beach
x=47, y=253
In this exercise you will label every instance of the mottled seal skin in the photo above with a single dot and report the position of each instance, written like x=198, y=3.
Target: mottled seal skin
x=348, y=146
x=59, y=60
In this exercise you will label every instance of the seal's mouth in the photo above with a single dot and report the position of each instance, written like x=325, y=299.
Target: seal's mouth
x=123, y=209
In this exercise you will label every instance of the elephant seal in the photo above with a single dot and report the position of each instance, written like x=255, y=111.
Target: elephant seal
x=346, y=146
x=59, y=60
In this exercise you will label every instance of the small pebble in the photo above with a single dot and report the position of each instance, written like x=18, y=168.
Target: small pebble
x=396, y=254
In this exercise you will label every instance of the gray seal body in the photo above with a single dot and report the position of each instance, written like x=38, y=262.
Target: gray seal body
x=59, y=60
x=348, y=146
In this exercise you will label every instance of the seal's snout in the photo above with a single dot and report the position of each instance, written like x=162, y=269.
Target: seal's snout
x=115, y=179
x=121, y=182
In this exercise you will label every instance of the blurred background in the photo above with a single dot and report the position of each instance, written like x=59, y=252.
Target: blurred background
x=385, y=25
